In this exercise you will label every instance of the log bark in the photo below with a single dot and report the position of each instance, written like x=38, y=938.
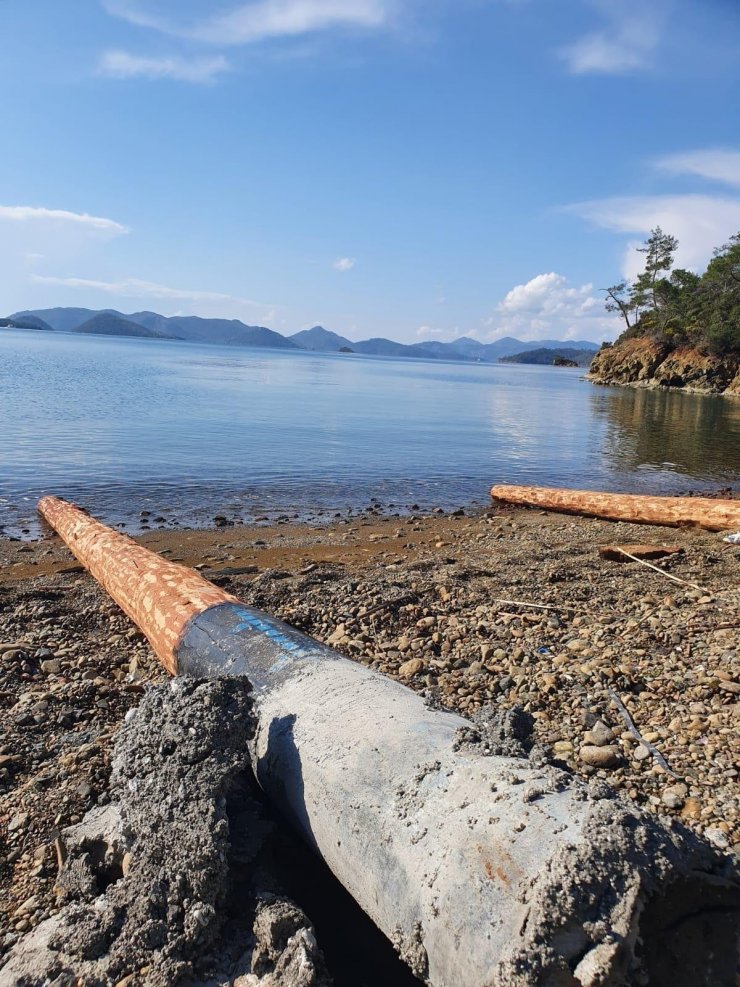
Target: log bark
x=483, y=870
x=703, y=512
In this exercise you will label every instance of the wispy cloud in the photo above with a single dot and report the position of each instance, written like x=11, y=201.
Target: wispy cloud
x=258, y=20
x=632, y=31
x=136, y=288
x=36, y=214
x=716, y=164
x=125, y=65
x=701, y=223
x=344, y=263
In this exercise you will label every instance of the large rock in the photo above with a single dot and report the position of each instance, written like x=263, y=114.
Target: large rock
x=646, y=363
x=629, y=362
x=689, y=369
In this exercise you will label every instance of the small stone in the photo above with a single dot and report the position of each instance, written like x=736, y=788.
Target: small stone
x=599, y=735
x=671, y=799
x=563, y=747
x=339, y=632
x=717, y=837
x=600, y=757
x=410, y=668
x=641, y=753
x=691, y=809
x=29, y=905
x=51, y=666
x=18, y=822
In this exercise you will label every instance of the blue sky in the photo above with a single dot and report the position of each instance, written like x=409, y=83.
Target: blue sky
x=407, y=168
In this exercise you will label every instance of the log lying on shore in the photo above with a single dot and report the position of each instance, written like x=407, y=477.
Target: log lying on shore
x=484, y=869
x=703, y=512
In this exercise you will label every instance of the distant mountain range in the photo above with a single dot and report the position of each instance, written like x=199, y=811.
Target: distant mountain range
x=232, y=332
x=107, y=324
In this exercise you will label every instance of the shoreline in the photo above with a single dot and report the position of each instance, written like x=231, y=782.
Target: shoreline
x=640, y=361
x=429, y=600
x=654, y=385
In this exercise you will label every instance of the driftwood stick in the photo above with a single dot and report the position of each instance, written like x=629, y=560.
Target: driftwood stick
x=399, y=601
x=637, y=735
x=668, y=575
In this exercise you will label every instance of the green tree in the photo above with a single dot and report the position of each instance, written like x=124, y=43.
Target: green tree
x=618, y=299
x=677, y=306
x=648, y=292
x=720, y=297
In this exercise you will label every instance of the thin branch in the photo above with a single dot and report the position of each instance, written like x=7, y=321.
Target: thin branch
x=668, y=575
x=637, y=735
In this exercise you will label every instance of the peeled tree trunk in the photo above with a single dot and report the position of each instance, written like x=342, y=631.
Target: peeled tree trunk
x=703, y=512
x=485, y=870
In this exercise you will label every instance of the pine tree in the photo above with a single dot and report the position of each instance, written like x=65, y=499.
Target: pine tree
x=648, y=294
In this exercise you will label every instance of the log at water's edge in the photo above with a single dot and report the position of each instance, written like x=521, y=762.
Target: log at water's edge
x=703, y=512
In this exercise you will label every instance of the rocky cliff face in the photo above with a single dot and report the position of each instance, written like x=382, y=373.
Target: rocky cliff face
x=645, y=363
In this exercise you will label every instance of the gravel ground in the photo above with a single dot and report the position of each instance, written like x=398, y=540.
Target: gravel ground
x=436, y=602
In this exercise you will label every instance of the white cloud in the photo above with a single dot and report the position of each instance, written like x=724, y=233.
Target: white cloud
x=59, y=217
x=716, y=164
x=427, y=332
x=626, y=43
x=36, y=238
x=247, y=23
x=548, y=307
x=124, y=65
x=700, y=222
x=344, y=263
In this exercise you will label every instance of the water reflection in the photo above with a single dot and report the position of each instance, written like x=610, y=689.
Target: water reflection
x=685, y=433
x=123, y=425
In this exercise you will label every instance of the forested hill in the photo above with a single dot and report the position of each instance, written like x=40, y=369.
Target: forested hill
x=681, y=329
x=677, y=307
x=549, y=357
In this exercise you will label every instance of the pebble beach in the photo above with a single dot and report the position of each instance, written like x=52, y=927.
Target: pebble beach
x=631, y=675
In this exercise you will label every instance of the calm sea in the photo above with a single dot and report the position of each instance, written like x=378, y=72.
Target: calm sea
x=188, y=432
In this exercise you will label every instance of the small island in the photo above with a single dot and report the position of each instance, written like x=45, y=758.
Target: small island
x=548, y=356
x=682, y=329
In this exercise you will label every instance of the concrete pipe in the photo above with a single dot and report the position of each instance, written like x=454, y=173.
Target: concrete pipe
x=703, y=512
x=482, y=869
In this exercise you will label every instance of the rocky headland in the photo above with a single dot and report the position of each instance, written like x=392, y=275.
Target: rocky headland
x=643, y=362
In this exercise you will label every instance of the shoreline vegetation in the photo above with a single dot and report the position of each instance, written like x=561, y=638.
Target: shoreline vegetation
x=682, y=329
x=506, y=606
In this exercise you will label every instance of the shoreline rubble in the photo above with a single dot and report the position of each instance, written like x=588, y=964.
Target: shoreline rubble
x=430, y=620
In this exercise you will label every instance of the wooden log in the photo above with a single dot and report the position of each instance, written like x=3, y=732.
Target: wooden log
x=160, y=597
x=628, y=553
x=702, y=512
